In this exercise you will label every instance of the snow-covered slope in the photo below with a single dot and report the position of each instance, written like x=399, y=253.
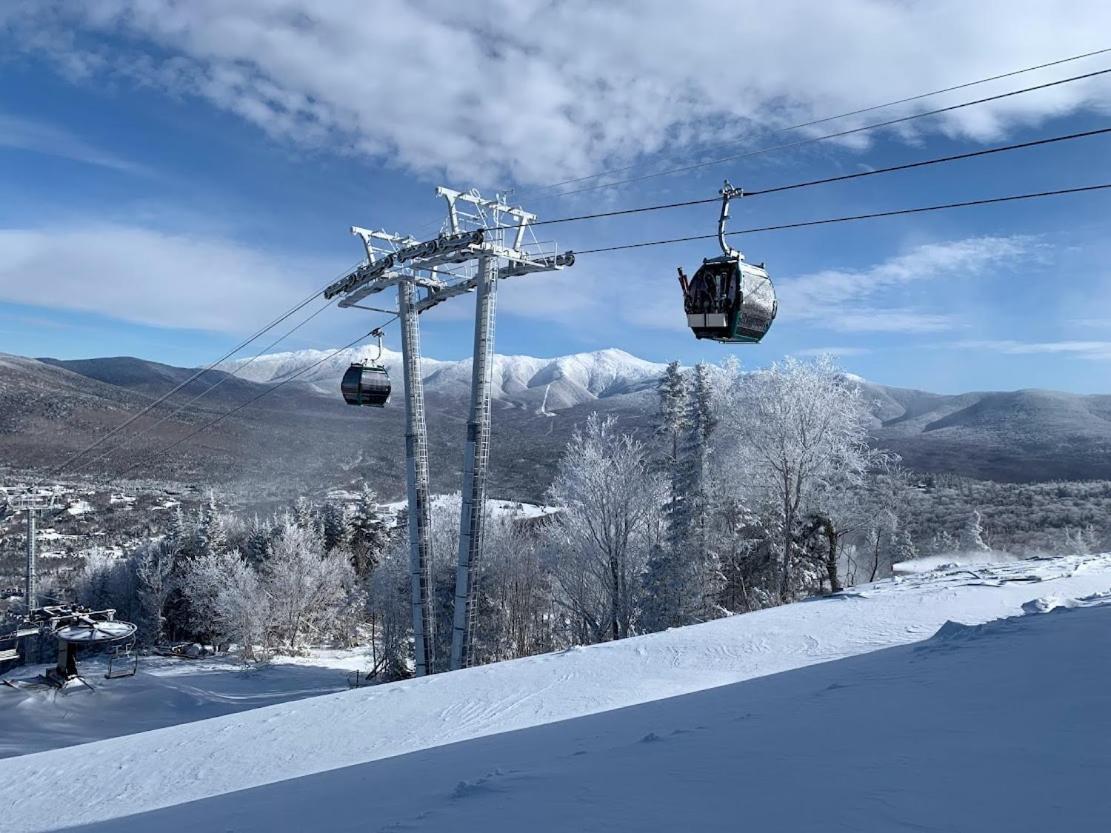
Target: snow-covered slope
x=999, y=727
x=526, y=381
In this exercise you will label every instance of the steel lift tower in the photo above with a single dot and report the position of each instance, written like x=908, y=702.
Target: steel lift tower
x=31, y=504
x=471, y=255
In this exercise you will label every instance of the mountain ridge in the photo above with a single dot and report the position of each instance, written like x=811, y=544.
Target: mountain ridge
x=51, y=407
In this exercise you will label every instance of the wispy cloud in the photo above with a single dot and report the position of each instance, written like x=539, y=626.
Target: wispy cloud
x=39, y=137
x=152, y=277
x=1095, y=350
x=540, y=91
x=839, y=351
x=846, y=300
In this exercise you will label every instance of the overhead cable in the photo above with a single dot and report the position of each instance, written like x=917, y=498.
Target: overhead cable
x=213, y=422
x=839, y=134
x=851, y=113
x=225, y=377
x=151, y=406
x=937, y=160
x=853, y=217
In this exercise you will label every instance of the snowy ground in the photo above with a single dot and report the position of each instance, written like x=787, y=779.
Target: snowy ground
x=995, y=727
x=165, y=692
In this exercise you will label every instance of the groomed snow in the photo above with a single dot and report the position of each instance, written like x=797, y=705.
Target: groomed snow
x=165, y=692
x=992, y=728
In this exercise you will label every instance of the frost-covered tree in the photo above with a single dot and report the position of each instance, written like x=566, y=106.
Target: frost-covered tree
x=390, y=615
x=602, y=536
x=154, y=570
x=798, y=434
x=942, y=543
x=516, y=614
x=673, y=397
x=902, y=547
x=332, y=520
x=226, y=594
x=683, y=576
x=368, y=533
x=972, y=535
x=107, y=581
x=1082, y=541
x=256, y=542
x=310, y=592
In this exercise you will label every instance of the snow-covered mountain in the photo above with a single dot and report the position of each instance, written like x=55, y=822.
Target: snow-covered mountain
x=537, y=384
x=874, y=703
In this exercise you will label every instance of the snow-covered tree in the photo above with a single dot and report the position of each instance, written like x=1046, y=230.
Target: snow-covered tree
x=942, y=543
x=310, y=591
x=256, y=542
x=1080, y=541
x=799, y=434
x=972, y=535
x=107, y=581
x=368, y=533
x=332, y=520
x=390, y=613
x=154, y=569
x=226, y=595
x=902, y=547
x=673, y=396
x=683, y=576
x=516, y=614
x=601, y=537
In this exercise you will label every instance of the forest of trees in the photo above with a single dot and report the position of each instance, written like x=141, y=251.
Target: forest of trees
x=757, y=489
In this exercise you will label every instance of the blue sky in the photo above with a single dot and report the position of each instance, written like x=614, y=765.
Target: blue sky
x=173, y=175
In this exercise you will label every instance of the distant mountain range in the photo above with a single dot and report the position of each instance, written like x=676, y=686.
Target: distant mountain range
x=303, y=436
x=540, y=385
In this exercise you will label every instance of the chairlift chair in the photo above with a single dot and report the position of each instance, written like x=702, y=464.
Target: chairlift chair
x=728, y=299
x=123, y=661
x=367, y=383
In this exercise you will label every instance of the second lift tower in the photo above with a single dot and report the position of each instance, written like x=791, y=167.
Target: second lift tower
x=483, y=242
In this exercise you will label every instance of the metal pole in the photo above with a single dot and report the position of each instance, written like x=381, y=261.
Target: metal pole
x=477, y=454
x=30, y=593
x=416, y=471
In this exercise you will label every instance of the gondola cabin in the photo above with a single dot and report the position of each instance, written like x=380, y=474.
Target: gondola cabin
x=366, y=384
x=729, y=300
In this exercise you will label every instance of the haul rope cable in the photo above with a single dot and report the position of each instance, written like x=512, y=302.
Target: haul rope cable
x=837, y=135
x=193, y=378
x=859, y=112
x=266, y=392
x=850, y=218
x=906, y=166
x=227, y=375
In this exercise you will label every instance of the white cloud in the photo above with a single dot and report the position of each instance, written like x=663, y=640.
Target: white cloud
x=152, y=277
x=844, y=300
x=534, y=91
x=1094, y=350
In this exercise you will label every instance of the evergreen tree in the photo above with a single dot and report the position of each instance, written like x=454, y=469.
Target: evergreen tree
x=942, y=543
x=332, y=520
x=902, y=547
x=682, y=577
x=303, y=514
x=368, y=533
x=257, y=542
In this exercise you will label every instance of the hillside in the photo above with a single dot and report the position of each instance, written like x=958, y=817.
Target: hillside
x=305, y=437
x=848, y=698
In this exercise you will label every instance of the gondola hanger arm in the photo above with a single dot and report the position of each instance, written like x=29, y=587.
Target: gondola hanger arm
x=728, y=192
